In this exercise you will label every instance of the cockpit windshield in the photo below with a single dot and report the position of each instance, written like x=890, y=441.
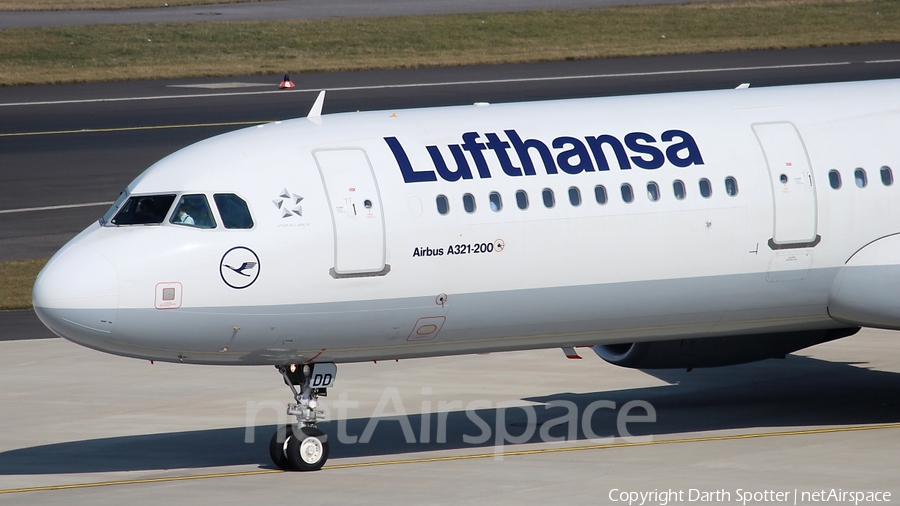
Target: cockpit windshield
x=193, y=211
x=108, y=215
x=144, y=210
x=233, y=210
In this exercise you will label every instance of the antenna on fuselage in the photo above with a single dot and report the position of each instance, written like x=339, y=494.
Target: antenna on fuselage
x=316, y=110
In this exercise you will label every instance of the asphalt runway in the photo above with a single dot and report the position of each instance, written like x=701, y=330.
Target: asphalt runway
x=82, y=427
x=297, y=9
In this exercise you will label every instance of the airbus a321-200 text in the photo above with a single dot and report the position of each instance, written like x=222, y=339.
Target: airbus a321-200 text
x=676, y=230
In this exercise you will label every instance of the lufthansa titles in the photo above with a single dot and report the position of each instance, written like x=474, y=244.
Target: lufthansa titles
x=566, y=154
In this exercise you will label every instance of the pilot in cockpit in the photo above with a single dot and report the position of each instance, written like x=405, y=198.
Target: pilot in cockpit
x=181, y=214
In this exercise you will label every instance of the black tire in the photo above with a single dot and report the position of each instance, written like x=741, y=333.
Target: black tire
x=308, y=450
x=278, y=447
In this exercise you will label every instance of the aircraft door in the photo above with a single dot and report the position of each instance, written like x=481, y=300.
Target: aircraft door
x=356, y=212
x=793, y=186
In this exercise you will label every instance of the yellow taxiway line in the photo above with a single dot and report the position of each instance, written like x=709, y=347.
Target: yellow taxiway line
x=515, y=453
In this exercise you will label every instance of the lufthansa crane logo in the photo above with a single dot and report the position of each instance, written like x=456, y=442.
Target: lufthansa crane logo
x=239, y=267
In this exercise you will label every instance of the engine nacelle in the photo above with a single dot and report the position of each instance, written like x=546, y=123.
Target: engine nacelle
x=866, y=292
x=714, y=351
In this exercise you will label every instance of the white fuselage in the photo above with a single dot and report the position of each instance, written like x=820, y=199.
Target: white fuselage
x=349, y=257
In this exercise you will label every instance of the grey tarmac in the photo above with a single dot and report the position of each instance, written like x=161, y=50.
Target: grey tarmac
x=22, y=324
x=825, y=418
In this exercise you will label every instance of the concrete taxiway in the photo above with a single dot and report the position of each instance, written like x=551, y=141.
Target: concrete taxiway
x=81, y=427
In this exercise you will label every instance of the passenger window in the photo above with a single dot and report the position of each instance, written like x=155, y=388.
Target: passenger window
x=652, y=191
x=678, y=188
x=495, y=201
x=574, y=196
x=887, y=177
x=549, y=199
x=705, y=188
x=443, y=205
x=193, y=211
x=731, y=186
x=522, y=199
x=234, y=211
x=469, y=203
x=834, y=179
x=859, y=175
x=144, y=210
x=600, y=194
x=627, y=193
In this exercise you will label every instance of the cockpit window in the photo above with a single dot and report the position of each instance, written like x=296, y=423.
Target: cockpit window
x=234, y=211
x=193, y=211
x=144, y=210
x=108, y=215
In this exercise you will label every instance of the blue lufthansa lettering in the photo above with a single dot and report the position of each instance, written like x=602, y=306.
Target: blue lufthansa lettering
x=475, y=149
x=522, y=148
x=656, y=156
x=596, y=145
x=462, y=166
x=409, y=175
x=687, y=143
x=564, y=159
x=572, y=155
x=499, y=148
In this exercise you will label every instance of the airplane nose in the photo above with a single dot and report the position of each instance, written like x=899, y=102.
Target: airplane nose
x=77, y=293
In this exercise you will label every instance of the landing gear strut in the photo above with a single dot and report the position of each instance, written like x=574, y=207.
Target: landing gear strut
x=302, y=446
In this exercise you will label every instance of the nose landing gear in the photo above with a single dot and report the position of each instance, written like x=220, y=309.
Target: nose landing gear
x=302, y=446
x=308, y=450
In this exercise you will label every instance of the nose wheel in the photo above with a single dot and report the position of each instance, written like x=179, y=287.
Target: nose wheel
x=302, y=446
x=278, y=447
x=308, y=450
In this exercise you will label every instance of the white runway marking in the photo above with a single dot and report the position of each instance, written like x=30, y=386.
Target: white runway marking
x=133, y=129
x=222, y=86
x=445, y=83
x=54, y=208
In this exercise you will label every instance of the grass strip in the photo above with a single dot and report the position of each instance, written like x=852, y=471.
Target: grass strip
x=16, y=280
x=77, y=5
x=207, y=49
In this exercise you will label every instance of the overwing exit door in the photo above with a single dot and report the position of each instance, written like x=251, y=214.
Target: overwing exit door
x=356, y=212
x=793, y=185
